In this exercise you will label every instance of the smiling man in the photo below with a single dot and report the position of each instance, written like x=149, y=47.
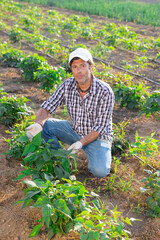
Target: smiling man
x=89, y=103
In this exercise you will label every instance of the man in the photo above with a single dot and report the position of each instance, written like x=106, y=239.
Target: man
x=89, y=103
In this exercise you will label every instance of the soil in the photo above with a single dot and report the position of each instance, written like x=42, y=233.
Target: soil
x=16, y=223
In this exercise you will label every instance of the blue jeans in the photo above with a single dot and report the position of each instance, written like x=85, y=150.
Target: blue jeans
x=98, y=152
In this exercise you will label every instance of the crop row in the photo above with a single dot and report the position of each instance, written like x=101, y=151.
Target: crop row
x=124, y=11
x=33, y=19
x=105, y=38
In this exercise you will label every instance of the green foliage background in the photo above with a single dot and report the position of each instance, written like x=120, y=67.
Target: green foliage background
x=128, y=11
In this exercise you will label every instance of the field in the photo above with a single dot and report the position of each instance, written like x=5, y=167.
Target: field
x=125, y=54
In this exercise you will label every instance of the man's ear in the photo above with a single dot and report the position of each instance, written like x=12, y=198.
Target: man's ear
x=91, y=66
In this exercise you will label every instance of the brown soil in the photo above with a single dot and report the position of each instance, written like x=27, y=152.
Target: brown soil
x=16, y=223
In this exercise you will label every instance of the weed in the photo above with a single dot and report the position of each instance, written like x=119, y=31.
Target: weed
x=144, y=147
x=152, y=189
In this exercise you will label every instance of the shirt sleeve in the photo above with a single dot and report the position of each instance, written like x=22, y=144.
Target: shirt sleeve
x=103, y=123
x=55, y=100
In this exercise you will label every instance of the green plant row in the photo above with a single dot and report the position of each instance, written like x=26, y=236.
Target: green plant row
x=35, y=68
x=75, y=26
x=136, y=97
x=111, y=35
x=147, y=14
x=65, y=203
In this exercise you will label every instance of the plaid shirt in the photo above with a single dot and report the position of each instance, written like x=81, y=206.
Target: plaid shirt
x=92, y=113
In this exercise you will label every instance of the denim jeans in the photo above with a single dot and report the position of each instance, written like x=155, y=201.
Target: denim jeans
x=98, y=152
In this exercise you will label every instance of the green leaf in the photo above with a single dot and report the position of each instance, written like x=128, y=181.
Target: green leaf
x=84, y=207
x=60, y=153
x=79, y=219
x=2, y=111
x=47, y=211
x=127, y=220
x=20, y=176
x=46, y=157
x=97, y=204
x=48, y=177
x=69, y=225
x=41, y=201
x=59, y=172
x=30, y=183
x=93, y=236
x=39, y=163
x=61, y=206
x=50, y=233
x=89, y=224
x=120, y=227
x=54, y=218
x=30, y=194
x=83, y=237
x=71, y=205
x=104, y=236
x=22, y=139
x=157, y=196
x=35, y=230
x=37, y=139
x=78, y=226
x=29, y=148
x=27, y=202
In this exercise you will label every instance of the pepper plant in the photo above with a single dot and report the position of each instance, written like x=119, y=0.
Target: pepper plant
x=49, y=77
x=12, y=57
x=13, y=108
x=18, y=139
x=31, y=64
x=152, y=105
x=132, y=96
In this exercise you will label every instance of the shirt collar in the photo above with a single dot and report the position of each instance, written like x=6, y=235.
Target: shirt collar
x=93, y=86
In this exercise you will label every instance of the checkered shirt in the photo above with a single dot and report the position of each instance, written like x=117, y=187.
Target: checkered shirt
x=92, y=113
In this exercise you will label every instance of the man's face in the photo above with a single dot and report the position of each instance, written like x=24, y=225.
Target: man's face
x=81, y=71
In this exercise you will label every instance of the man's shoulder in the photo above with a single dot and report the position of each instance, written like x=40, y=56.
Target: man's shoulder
x=69, y=82
x=103, y=85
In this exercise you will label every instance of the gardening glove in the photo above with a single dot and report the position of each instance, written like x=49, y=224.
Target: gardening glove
x=33, y=130
x=75, y=147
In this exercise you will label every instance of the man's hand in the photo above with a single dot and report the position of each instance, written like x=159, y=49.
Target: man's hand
x=75, y=147
x=33, y=130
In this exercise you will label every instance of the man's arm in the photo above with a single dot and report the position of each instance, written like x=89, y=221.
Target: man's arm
x=75, y=147
x=42, y=116
x=93, y=135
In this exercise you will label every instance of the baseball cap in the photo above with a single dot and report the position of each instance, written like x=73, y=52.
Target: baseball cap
x=82, y=53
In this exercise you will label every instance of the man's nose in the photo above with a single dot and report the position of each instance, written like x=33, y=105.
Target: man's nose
x=79, y=69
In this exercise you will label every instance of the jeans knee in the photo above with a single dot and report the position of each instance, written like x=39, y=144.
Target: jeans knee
x=47, y=123
x=100, y=172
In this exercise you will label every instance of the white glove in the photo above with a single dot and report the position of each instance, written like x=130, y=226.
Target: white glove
x=75, y=147
x=33, y=130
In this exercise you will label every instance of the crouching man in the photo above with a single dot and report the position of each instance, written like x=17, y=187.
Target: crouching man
x=89, y=102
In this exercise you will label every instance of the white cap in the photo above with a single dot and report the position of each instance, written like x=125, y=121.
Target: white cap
x=82, y=53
